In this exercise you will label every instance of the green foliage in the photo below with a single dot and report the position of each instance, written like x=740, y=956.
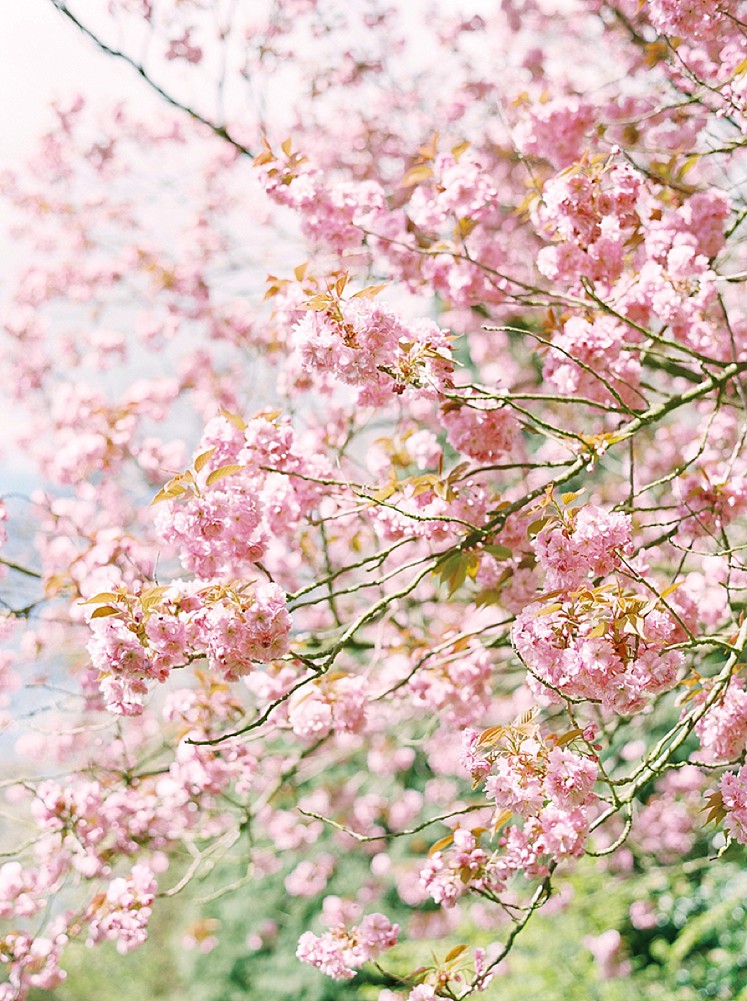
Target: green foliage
x=696, y=950
x=155, y=973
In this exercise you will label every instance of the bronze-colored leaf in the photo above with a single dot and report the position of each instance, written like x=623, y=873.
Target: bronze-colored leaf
x=104, y=610
x=222, y=472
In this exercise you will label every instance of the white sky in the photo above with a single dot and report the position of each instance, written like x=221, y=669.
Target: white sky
x=42, y=57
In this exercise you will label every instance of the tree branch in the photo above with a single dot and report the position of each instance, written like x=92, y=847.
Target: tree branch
x=219, y=130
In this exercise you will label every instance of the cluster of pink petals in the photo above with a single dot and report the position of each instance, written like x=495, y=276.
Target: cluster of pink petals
x=483, y=433
x=225, y=527
x=341, y=951
x=331, y=705
x=734, y=793
x=707, y=504
x=370, y=347
x=218, y=533
x=585, y=654
x=32, y=962
x=122, y=913
x=556, y=130
x=549, y=789
x=458, y=688
x=723, y=729
x=446, y=875
x=686, y=18
x=591, y=216
x=336, y=213
x=589, y=359
x=461, y=188
x=233, y=628
x=586, y=543
x=25, y=892
x=666, y=827
x=234, y=635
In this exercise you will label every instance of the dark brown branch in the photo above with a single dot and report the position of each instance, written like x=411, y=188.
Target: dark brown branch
x=219, y=130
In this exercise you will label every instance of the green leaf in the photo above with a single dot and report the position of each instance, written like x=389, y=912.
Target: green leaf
x=536, y=527
x=498, y=551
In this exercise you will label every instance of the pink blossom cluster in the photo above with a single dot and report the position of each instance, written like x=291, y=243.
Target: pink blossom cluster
x=340, y=951
x=218, y=533
x=722, y=731
x=449, y=873
x=483, y=433
x=142, y=639
x=331, y=705
x=85, y=823
x=698, y=222
x=460, y=188
x=336, y=213
x=582, y=544
x=688, y=19
x=734, y=794
x=457, y=688
x=556, y=130
x=368, y=346
x=263, y=488
x=679, y=291
x=24, y=892
x=33, y=963
x=122, y=913
x=674, y=283
x=310, y=877
x=548, y=786
x=591, y=215
x=555, y=833
x=666, y=826
x=601, y=648
x=235, y=631
x=709, y=500
x=592, y=358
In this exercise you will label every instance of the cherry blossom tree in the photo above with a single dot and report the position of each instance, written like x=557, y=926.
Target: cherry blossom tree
x=427, y=547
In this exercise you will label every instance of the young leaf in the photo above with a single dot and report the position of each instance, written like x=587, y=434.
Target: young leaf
x=442, y=843
x=235, y=419
x=415, y=175
x=536, y=526
x=369, y=292
x=99, y=599
x=453, y=954
x=498, y=551
x=104, y=610
x=203, y=458
x=169, y=492
x=222, y=472
x=491, y=736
